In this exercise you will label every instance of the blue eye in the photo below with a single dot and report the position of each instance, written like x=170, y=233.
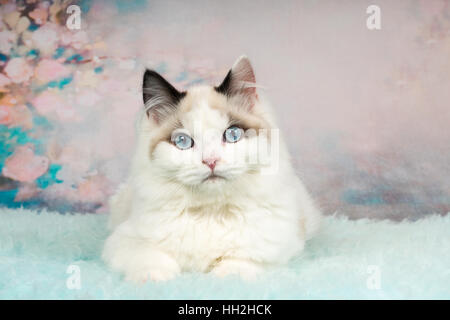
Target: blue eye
x=182, y=141
x=233, y=134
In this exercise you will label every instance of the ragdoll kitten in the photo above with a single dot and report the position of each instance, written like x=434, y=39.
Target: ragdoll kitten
x=194, y=200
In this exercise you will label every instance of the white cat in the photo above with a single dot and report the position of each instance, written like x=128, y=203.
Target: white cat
x=193, y=200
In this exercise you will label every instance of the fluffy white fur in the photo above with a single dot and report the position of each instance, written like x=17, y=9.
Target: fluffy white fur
x=167, y=218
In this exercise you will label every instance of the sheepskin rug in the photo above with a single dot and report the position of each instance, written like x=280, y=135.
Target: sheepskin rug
x=47, y=255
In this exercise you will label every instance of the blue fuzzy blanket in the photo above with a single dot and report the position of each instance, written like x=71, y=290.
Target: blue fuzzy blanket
x=40, y=254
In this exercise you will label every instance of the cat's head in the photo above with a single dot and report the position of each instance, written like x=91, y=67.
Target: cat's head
x=207, y=136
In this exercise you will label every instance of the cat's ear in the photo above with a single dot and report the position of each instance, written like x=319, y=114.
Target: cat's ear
x=239, y=80
x=160, y=97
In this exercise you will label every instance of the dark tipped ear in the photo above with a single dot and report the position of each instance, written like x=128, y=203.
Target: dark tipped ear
x=239, y=80
x=160, y=97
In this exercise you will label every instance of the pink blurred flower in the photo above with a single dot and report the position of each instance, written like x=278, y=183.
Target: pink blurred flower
x=76, y=40
x=26, y=191
x=18, y=70
x=24, y=165
x=67, y=113
x=8, y=100
x=87, y=97
x=7, y=38
x=76, y=159
x=8, y=7
x=50, y=102
x=60, y=191
x=21, y=117
x=39, y=15
x=45, y=39
x=5, y=115
x=48, y=70
x=47, y=102
x=4, y=81
x=93, y=189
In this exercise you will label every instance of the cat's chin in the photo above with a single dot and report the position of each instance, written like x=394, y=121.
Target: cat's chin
x=213, y=179
x=212, y=183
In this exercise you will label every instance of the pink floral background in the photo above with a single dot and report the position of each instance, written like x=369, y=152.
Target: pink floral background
x=366, y=112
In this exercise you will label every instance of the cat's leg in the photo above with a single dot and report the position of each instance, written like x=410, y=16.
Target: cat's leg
x=246, y=269
x=138, y=259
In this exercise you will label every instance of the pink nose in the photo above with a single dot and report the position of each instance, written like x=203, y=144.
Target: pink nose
x=210, y=162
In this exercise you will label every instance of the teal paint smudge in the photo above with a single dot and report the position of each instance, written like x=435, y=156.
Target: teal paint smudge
x=33, y=26
x=196, y=81
x=60, y=84
x=7, y=198
x=76, y=57
x=127, y=6
x=98, y=70
x=14, y=54
x=64, y=82
x=41, y=121
x=49, y=177
x=20, y=136
x=7, y=148
x=59, y=52
x=33, y=53
x=161, y=68
x=361, y=197
x=85, y=5
x=182, y=76
x=11, y=137
x=51, y=84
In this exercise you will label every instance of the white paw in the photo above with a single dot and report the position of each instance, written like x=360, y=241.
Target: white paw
x=245, y=269
x=152, y=274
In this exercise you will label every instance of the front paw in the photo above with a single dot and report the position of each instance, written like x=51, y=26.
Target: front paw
x=156, y=274
x=150, y=265
x=246, y=269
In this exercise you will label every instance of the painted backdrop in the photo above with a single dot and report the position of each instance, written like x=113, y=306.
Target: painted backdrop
x=366, y=112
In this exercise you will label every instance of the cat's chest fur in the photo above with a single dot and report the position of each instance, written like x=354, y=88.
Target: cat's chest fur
x=200, y=236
